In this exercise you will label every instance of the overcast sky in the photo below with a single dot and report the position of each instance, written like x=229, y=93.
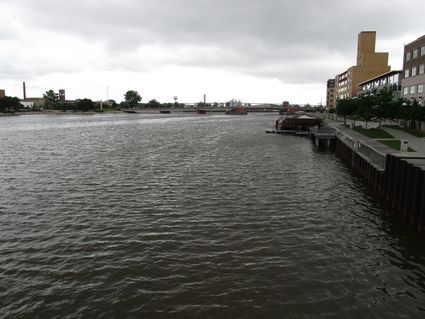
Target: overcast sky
x=257, y=51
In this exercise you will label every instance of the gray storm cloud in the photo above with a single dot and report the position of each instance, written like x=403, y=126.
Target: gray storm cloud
x=302, y=41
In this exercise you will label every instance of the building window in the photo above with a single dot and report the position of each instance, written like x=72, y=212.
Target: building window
x=413, y=89
x=414, y=71
x=415, y=54
x=420, y=88
x=406, y=73
x=405, y=90
x=423, y=50
x=421, y=68
x=408, y=56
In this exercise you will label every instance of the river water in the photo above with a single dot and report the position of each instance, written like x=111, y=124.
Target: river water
x=193, y=216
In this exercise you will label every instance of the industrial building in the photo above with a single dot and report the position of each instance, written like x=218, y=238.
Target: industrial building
x=30, y=102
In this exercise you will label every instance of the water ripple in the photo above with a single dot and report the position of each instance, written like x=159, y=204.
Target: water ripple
x=180, y=216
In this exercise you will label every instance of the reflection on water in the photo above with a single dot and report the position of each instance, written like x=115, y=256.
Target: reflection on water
x=168, y=216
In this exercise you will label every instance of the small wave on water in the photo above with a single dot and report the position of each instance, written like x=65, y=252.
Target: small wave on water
x=130, y=216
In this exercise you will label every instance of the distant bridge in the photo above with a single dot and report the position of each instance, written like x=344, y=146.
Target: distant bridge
x=195, y=109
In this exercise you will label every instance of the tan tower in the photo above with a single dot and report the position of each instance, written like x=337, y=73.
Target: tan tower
x=369, y=64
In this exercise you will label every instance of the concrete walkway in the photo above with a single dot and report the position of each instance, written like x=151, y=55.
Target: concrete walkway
x=418, y=144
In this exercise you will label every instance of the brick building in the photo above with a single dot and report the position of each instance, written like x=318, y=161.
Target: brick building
x=330, y=94
x=414, y=70
x=369, y=65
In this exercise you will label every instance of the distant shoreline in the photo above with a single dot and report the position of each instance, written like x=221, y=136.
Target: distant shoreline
x=133, y=111
x=55, y=113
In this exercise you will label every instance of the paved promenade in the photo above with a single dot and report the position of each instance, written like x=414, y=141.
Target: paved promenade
x=418, y=144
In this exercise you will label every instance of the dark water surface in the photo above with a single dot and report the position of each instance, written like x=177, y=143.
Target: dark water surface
x=163, y=216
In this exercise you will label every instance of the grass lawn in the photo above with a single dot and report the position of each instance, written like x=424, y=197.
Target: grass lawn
x=373, y=133
x=416, y=133
x=382, y=137
x=395, y=144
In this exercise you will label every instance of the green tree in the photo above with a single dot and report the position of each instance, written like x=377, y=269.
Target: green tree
x=201, y=105
x=413, y=112
x=385, y=105
x=111, y=104
x=50, y=100
x=397, y=110
x=366, y=107
x=9, y=104
x=84, y=105
x=344, y=108
x=154, y=104
x=132, y=98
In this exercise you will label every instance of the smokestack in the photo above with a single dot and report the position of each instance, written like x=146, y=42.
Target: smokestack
x=25, y=90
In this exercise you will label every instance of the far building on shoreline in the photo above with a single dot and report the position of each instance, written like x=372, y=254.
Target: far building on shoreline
x=330, y=94
x=414, y=70
x=2, y=93
x=373, y=72
x=29, y=102
x=369, y=64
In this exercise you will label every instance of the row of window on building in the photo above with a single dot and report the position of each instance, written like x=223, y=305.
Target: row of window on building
x=392, y=78
x=416, y=70
x=414, y=54
x=413, y=81
x=413, y=89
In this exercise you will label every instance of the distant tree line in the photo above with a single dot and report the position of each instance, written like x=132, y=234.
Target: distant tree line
x=9, y=104
x=52, y=102
x=132, y=99
x=379, y=106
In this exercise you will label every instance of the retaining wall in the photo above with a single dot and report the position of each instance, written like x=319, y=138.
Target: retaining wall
x=397, y=176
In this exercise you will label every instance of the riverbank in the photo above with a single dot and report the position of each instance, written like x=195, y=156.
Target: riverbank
x=138, y=111
x=399, y=177
x=7, y=114
x=50, y=113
